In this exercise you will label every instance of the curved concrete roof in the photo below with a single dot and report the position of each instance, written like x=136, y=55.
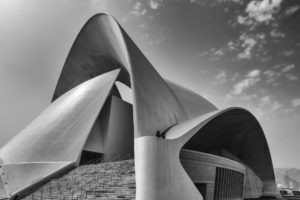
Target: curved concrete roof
x=98, y=48
x=55, y=139
x=193, y=103
x=102, y=45
x=235, y=130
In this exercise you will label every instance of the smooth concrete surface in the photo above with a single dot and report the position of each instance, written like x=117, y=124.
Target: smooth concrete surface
x=56, y=137
x=19, y=176
x=253, y=185
x=3, y=194
x=102, y=45
x=159, y=174
x=98, y=48
x=119, y=133
x=235, y=130
x=155, y=106
x=194, y=104
x=189, y=158
x=95, y=141
x=61, y=132
x=201, y=167
x=112, y=133
x=156, y=156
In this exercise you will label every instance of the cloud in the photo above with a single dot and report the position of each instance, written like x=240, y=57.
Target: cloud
x=296, y=102
x=96, y=4
x=292, y=77
x=138, y=10
x=221, y=77
x=261, y=106
x=288, y=68
x=271, y=75
x=265, y=106
x=266, y=101
x=231, y=45
x=274, y=33
x=247, y=43
x=250, y=79
x=213, y=53
x=288, y=53
x=154, y=4
x=292, y=10
x=235, y=76
x=263, y=11
x=253, y=73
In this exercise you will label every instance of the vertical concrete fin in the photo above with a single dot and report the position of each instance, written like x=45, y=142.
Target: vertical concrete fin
x=102, y=45
x=59, y=133
x=155, y=106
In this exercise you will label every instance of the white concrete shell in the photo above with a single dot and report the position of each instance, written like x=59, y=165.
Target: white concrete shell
x=161, y=173
x=103, y=45
x=55, y=139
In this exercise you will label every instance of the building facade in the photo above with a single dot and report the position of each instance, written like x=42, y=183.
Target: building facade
x=184, y=147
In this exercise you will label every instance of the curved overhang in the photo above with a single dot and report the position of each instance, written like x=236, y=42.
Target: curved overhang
x=98, y=49
x=101, y=46
x=193, y=103
x=58, y=135
x=54, y=141
x=237, y=131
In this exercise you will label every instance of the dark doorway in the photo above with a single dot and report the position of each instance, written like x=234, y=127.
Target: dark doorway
x=89, y=157
x=202, y=189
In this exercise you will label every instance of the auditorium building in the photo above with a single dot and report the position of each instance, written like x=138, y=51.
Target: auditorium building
x=110, y=101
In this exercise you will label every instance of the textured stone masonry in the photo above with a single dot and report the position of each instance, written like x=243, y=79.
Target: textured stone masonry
x=109, y=181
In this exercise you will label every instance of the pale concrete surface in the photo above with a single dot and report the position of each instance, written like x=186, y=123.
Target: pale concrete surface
x=202, y=168
x=119, y=132
x=159, y=174
x=56, y=137
x=102, y=45
x=112, y=133
x=98, y=48
x=189, y=121
x=20, y=176
x=194, y=104
x=238, y=131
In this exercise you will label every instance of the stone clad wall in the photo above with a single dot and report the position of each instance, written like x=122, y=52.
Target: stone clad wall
x=115, y=180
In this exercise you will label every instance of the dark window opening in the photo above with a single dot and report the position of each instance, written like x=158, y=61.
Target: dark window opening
x=89, y=157
x=202, y=189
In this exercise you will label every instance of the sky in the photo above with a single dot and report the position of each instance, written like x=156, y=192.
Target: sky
x=233, y=52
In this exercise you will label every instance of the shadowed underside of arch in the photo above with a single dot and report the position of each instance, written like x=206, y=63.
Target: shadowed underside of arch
x=102, y=45
x=189, y=120
x=98, y=48
x=238, y=132
x=235, y=130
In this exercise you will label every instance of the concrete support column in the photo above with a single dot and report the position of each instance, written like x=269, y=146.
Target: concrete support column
x=159, y=173
x=270, y=189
